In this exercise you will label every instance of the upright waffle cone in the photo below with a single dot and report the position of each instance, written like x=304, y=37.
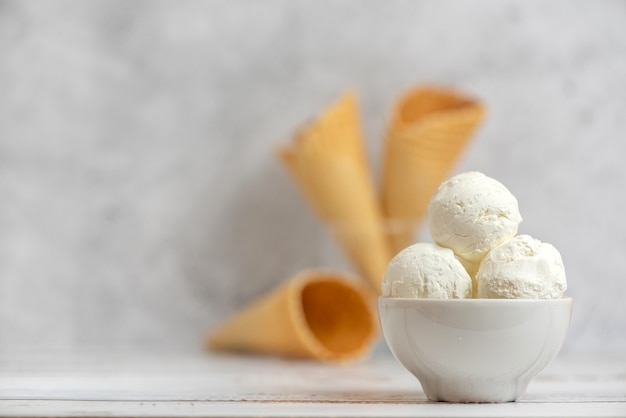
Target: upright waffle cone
x=316, y=314
x=328, y=162
x=429, y=130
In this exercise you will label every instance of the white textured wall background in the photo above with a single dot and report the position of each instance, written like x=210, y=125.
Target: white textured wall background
x=140, y=200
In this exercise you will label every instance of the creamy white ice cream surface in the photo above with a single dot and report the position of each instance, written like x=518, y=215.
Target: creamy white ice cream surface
x=471, y=269
x=472, y=213
x=426, y=270
x=522, y=268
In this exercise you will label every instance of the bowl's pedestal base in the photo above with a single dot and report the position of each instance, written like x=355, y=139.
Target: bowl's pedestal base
x=473, y=390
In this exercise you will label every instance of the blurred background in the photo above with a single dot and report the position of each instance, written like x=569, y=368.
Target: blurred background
x=141, y=200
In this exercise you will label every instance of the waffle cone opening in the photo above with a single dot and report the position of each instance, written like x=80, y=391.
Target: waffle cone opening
x=338, y=316
x=427, y=101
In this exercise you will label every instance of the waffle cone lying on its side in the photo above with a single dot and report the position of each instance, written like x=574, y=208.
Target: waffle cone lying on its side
x=316, y=314
x=328, y=162
x=429, y=130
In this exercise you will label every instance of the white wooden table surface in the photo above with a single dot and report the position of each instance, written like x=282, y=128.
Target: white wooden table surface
x=136, y=384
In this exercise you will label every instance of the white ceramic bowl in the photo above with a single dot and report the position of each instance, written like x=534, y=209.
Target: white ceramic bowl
x=474, y=350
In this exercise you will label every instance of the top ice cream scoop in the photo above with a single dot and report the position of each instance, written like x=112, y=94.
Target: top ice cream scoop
x=471, y=214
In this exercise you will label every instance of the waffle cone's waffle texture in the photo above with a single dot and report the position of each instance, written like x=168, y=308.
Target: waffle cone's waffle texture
x=327, y=161
x=316, y=314
x=430, y=129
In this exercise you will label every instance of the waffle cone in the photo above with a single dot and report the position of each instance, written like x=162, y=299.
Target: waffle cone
x=316, y=314
x=328, y=162
x=430, y=129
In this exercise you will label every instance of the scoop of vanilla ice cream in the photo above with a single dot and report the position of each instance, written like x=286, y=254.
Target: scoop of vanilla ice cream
x=426, y=270
x=522, y=268
x=471, y=214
